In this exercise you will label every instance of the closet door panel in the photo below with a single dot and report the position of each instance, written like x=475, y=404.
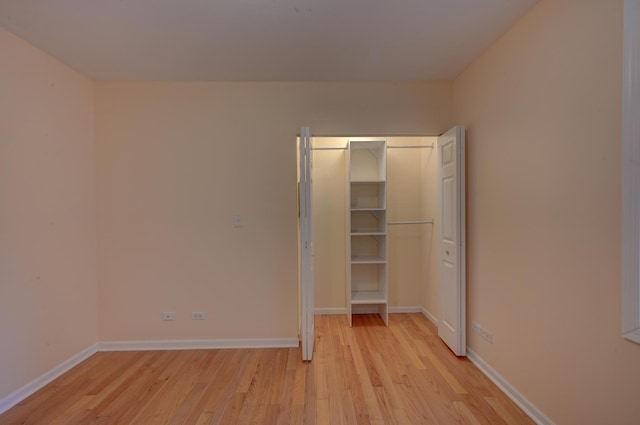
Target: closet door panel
x=451, y=285
x=306, y=245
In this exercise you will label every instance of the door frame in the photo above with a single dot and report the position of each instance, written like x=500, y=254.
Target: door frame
x=306, y=244
x=306, y=268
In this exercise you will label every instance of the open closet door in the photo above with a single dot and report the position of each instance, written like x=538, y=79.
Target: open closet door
x=452, y=245
x=306, y=244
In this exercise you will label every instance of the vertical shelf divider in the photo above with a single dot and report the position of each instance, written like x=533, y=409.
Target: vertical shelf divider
x=367, y=273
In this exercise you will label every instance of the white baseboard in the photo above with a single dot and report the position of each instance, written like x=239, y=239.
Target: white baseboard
x=17, y=396
x=410, y=309
x=197, y=344
x=22, y=393
x=529, y=408
x=429, y=316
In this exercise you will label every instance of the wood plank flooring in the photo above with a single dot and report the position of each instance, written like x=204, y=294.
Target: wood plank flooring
x=368, y=374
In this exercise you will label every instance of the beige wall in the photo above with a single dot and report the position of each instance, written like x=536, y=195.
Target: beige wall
x=430, y=234
x=177, y=160
x=329, y=223
x=408, y=182
x=48, y=285
x=543, y=114
x=411, y=195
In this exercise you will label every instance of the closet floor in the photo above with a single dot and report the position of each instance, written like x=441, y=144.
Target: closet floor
x=367, y=374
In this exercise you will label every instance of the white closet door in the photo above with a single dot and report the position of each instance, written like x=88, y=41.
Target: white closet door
x=306, y=244
x=452, y=246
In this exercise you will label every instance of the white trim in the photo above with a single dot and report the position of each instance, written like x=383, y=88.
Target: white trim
x=529, y=408
x=194, y=344
x=631, y=172
x=408, y=309
x=17, y=396
x=197, y=344
x=430, y=316
x=306, y=243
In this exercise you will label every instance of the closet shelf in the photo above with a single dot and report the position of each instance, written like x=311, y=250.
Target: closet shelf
x=368, y=297
x=367, y=256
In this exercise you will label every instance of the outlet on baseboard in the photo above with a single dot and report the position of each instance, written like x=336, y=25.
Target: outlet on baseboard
x=197, y=315
x=485, y=334
x=168, y=315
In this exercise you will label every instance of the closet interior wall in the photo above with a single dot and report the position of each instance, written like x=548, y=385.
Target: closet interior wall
x=411, y=195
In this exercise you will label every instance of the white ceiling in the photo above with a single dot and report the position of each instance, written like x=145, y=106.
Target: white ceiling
x=263, y=40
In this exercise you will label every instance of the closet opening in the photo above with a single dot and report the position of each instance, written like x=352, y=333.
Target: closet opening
x=371, y=216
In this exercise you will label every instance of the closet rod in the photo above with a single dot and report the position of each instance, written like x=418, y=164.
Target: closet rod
x=410, y=146
x=411, y=222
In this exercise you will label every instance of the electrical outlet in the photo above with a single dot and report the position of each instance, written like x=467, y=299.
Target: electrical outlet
x=197, y=315
x=168, y=315
x=488, y=336
x=485, y=334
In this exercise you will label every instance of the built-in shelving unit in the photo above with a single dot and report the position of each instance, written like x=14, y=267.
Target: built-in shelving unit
x=367, y=287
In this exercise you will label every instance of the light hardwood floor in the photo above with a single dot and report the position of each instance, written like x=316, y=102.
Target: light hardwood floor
x=367, y=374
